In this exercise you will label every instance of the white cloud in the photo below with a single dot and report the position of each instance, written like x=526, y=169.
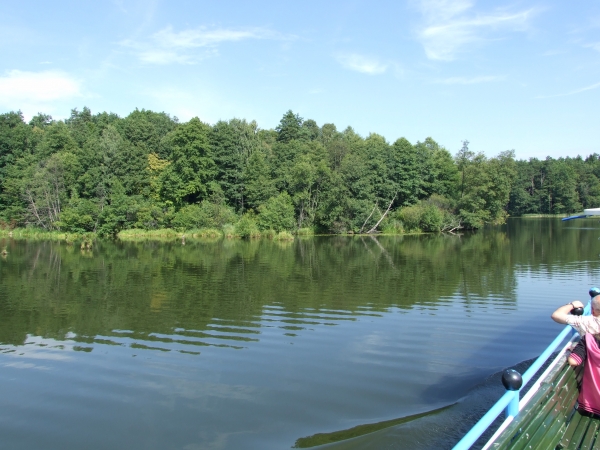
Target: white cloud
x=473, y=80
x=451, y=25
x=360, y=63
x=159, y=56
x=167, y=46
x=202, y=37
x=443, y=10
x=45, y=86
x=22, y=365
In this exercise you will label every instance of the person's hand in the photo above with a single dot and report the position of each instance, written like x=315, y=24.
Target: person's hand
x=572, y=362
x=577, y=304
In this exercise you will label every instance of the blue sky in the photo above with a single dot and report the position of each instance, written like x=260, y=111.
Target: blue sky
x=522, y=75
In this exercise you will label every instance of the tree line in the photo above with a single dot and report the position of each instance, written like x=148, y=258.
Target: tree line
x=104, y=173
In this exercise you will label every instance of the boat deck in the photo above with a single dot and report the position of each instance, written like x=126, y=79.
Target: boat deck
x=550, y=420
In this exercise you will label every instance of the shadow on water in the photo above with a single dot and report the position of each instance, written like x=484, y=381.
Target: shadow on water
x=360, y=430
x=439, y=428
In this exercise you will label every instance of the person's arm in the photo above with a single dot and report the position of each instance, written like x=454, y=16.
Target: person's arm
x=560, y=315
x=578, y=354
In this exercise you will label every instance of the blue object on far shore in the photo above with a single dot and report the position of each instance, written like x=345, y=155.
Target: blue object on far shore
x=590, y=212
x=574, y=217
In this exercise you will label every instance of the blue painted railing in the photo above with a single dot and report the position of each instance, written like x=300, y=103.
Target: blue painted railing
x=509, y=402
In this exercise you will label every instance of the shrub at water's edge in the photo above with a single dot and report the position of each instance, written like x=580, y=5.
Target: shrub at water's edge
x=206, y=233
x=133, y=234
x=284, y=236
x=229, y=231
x=269, y=234
x=247, y=226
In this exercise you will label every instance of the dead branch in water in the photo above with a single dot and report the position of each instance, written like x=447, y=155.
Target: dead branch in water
x=363, y=226
x=372, y=230
x=451, y=226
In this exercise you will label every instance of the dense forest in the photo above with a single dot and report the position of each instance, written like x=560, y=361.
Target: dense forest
x=103, y=173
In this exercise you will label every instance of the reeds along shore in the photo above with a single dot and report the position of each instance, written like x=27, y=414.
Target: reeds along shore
x=86, y=239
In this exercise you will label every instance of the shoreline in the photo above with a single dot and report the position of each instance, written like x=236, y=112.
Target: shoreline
x=169, y=234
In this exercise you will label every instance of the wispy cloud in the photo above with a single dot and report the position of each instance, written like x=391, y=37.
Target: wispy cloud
x=361, y=63
x=577, y=91
x=593, y=45
x=167, y=46
x=451, y=25
x=473, y=80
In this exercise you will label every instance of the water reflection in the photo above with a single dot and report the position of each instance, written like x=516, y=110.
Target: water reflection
x=224, y=293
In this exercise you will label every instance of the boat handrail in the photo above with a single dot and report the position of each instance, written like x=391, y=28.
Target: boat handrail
x=509, y=402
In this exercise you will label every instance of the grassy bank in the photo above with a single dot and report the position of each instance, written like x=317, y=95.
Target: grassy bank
x=170, y=235
x=37, y=234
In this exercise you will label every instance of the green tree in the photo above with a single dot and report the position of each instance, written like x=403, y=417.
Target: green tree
x=48, y=189
x=446, y=175
x=56, y=138
x=121, y=211
x=502, y=172
x=257, y=180
x=588, y=189
x=186, y=180
x=147, y=129
x=15, y=142
x=562, y=188
x=306, y=179
x=41, y=121
x=232, y=144
x=290, y=128
x=404, y=172
x=312, y=130
x=81, y=125
x=79, y=215
x=277, y=213
x=523, y=195
x=205, y=215
x=464, y=157
x=475, y=183
x=486, y=189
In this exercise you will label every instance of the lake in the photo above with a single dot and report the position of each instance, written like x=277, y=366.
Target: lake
x=336, y=342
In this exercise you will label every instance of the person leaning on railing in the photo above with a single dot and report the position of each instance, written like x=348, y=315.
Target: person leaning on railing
x=588, y=349
x=583, y=324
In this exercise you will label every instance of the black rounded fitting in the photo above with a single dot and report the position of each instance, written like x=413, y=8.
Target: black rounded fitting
x=512, y=380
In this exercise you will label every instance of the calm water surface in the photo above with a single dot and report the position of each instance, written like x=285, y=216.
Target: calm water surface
x=261, y=345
